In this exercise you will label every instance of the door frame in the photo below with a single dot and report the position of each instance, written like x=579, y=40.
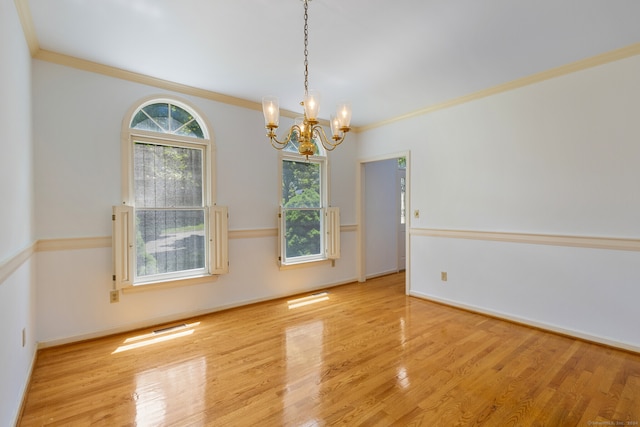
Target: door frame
x=401, y=174
x=360, y=214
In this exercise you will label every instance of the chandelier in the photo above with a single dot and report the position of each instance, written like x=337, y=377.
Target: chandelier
x=307, y=129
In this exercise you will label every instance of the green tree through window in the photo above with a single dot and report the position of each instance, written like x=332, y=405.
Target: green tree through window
x=303, y=202
x=302, y=208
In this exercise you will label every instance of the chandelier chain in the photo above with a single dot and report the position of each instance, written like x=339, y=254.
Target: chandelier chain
x=308, y=131
x=306, y=47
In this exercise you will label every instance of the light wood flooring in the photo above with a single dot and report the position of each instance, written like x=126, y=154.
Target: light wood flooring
x=363, y=354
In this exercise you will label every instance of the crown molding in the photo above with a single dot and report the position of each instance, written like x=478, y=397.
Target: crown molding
x=94, y=67
x=594, y=61
x=118, y=73
x=24, y=14
x=26, y=19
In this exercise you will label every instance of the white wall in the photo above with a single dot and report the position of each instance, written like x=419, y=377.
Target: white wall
x=17, y=306
x=15, y=132
x=557, y=157
x=381, y=217
x=77, y=124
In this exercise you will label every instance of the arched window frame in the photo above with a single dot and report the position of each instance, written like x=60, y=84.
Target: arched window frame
x=125, y=274
x=129, y=134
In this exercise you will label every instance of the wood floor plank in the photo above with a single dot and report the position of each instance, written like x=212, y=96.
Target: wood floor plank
x=367, y=355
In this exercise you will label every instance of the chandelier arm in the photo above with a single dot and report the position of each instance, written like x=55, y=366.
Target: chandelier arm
x=279, y=145
x=327, y=142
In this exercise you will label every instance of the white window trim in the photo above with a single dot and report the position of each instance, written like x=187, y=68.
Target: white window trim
x=330, y=221
x=128, y=134
x=124, y=251
x=217, y=261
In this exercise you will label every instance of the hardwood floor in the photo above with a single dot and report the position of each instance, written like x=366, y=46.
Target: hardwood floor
x=363, y=354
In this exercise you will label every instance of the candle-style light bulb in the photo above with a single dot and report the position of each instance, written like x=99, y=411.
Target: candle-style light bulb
x=271, y=111
x=312, y=105
x=335, y=126
x=344, y=116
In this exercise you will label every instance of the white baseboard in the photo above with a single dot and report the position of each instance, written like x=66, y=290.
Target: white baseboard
x=383, y=273
x=179, y=316
x=25, y=388
x=530, y=323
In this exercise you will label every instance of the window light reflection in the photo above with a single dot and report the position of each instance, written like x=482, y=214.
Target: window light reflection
x=311, y=299
x=402, y=378
x=156, y=390
x=156, y=337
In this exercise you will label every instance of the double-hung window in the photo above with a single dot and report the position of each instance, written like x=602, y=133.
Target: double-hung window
x=168, y=227
x=309, y=229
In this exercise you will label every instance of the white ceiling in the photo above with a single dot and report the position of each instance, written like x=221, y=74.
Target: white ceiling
x=388, y=58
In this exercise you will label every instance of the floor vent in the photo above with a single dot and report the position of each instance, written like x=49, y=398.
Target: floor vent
x=170, y=328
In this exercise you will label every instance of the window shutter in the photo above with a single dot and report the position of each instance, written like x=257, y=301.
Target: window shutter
x=281, y=236
x=332, y=225
x=218, y=240
x=123, y=240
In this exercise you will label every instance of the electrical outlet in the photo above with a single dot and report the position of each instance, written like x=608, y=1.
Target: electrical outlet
x=443, y=276
x=114, y=296
x=416, y=213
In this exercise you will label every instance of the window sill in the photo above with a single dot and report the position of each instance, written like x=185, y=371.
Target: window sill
x=174, y=283
x=304, y=264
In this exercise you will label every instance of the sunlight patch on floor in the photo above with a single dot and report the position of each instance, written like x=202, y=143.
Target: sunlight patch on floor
x=156, y=337
x=311, y=299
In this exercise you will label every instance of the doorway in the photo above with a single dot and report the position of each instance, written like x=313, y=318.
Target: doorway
x=383, y=192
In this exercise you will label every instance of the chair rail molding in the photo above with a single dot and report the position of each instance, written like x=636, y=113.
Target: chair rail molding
x=593, y=242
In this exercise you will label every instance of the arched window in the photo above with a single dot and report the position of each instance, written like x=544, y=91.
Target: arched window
x=169, y=118
x=167, y=226
x=307, y=225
